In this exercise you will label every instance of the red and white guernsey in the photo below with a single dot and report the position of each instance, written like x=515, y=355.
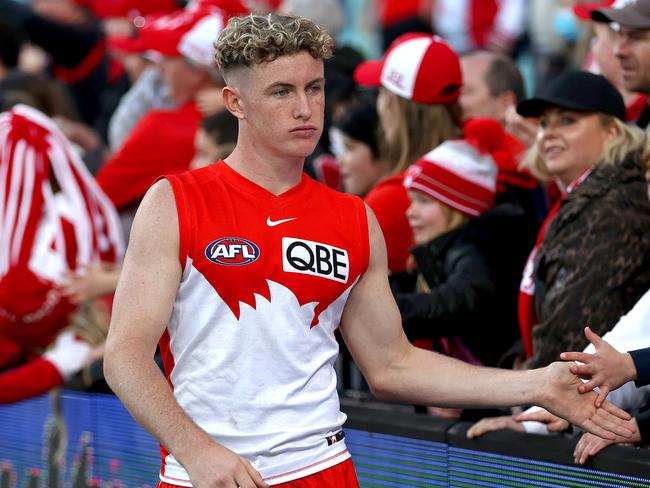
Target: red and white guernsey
x=250, y=347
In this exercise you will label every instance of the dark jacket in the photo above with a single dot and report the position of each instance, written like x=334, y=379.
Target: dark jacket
x=473, y=273
x=641, y=358
x=594, y=262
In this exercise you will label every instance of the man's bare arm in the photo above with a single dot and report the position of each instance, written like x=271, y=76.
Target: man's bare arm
x=371, y=327
x=143, y=302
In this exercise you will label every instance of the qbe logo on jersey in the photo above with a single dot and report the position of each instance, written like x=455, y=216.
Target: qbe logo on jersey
x=232, y=251
x=315, y=258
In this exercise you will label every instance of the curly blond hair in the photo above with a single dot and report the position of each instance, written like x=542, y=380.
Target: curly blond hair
x=255, y=39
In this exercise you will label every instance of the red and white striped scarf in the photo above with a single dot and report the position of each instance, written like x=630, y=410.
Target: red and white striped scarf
x=43, y=233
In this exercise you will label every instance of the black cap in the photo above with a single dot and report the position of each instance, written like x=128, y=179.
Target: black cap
x=632, y=13
x=576, y=90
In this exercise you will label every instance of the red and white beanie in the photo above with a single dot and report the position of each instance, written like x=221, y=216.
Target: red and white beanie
x=418, y=67
x=45, y=234
x=461, y=173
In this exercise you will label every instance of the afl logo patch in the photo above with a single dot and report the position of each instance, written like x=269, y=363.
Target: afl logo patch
x=232, y=251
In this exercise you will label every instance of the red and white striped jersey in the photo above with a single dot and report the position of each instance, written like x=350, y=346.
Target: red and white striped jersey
x=250, y=347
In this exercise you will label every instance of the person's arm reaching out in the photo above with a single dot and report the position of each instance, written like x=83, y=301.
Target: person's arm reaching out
x=143, y=303
x=395, y=369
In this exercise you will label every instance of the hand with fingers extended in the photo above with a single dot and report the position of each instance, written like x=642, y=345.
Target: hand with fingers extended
x=214, y=466
x=560, y=396
x=606, y=369
x=553, y=422
x=589, y=445
x=492, y=424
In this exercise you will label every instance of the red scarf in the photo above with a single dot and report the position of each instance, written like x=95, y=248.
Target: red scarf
x=526, y=306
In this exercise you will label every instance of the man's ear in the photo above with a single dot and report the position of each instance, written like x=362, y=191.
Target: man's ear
x=506, y=100
x=233, y=102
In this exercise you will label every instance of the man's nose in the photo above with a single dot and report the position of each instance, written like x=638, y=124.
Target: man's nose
x=302, y=108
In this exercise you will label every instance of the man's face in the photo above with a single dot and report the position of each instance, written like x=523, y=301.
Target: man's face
x=283, y=106
x=602, y=49
x=632, y=48
x=475, y=97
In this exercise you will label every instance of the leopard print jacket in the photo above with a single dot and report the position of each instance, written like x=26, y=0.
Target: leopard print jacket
x=594, y=261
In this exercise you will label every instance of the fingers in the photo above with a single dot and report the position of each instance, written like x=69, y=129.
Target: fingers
x=589, y=445
x=543, y=416
x=581, y=449
x=575, y=356
x=558, y=425
x=588, y=386
x=614, y=411
x=582, y=370
x=596, y=429
x=612, y=423
x=594, y=338
x=492, y=424
x=255, y=476
x=604, y=391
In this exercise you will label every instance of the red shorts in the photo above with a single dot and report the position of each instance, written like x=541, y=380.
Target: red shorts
x=341, y=475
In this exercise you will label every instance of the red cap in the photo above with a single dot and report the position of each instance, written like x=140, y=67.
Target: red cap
x=163, y=33
x=128, y=8
x=583, y=10
x=418, y=67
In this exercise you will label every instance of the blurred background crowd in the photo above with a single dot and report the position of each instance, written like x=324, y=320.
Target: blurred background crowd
x=501, y=144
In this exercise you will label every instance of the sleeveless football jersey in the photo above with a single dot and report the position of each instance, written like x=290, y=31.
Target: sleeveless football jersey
x=250, y=347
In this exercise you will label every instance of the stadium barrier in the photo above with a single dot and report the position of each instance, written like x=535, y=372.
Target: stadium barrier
x=79, y=440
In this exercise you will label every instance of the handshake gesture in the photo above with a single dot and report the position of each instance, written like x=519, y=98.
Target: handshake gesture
x=601, y=372
x=605, y=370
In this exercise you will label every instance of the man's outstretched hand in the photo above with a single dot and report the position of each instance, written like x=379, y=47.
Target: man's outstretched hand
x=559, y=395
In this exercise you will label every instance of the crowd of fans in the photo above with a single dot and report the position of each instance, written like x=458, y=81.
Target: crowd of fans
x=511, y=223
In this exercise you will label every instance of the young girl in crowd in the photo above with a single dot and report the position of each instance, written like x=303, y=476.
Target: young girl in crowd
x=452, y=190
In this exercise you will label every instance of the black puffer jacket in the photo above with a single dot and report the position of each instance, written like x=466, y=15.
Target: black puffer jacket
x=473, y=274
x=594, y=262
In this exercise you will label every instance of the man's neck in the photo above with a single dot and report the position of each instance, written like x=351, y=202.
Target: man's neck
x=277, y=175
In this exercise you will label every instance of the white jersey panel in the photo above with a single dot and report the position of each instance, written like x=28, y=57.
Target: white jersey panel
x=270, y=358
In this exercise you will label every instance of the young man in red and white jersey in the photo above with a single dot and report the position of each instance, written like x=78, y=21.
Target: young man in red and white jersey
x=242, y=271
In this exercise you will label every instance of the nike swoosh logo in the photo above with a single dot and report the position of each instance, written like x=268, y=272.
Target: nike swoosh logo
x=273, y=223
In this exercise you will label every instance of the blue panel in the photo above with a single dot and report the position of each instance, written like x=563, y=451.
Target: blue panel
x=99, y=442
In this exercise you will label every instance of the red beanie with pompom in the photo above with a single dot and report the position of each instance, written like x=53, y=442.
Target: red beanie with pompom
x=461, y=173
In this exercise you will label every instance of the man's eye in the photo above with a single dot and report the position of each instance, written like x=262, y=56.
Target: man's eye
x=315, y=88
x=281, y=93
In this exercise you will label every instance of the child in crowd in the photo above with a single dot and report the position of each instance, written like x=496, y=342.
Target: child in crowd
x=454, y=304
x=354, y=139
x=215, y=139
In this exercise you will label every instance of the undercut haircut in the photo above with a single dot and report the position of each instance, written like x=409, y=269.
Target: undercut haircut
x=254, y=39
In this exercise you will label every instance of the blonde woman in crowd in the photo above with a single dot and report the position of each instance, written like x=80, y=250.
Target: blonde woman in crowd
x=420, y=81
x=590, y=264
